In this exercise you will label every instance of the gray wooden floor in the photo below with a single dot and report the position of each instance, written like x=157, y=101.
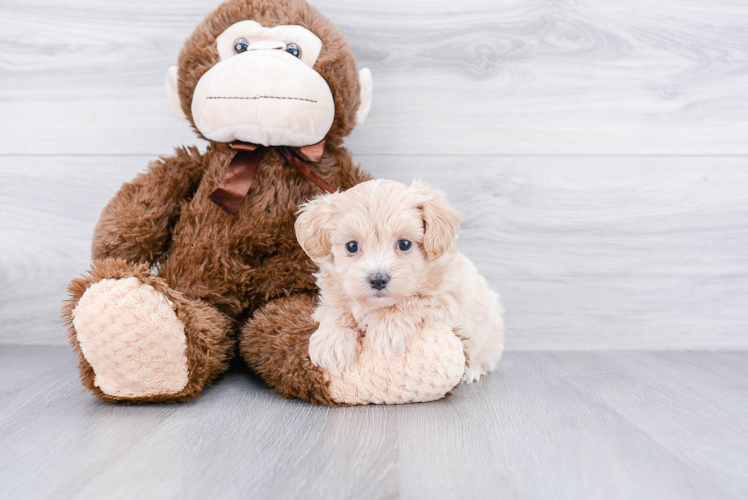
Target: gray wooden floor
x=576, y=425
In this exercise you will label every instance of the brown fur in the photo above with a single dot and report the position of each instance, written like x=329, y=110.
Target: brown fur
x=219, y=269
x=275, y=344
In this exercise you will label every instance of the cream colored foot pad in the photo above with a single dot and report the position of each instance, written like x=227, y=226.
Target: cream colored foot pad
x=132, y=338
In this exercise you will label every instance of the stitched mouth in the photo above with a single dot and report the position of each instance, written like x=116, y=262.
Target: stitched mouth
x=253, y=98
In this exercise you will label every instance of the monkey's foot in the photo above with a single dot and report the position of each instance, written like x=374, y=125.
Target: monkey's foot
x=131, y=336
x=431, y=365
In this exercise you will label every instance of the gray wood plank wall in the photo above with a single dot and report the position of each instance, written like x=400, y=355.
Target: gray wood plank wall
x=597, y=150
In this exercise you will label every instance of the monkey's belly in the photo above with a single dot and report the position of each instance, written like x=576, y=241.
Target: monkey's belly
x=235, y=274
x=210, y=273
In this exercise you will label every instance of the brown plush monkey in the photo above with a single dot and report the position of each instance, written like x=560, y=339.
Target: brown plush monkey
x=176, y=278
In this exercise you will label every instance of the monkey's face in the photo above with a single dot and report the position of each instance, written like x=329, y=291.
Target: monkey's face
x=263, y=88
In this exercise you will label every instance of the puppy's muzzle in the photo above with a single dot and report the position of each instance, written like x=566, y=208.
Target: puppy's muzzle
x=378, y=281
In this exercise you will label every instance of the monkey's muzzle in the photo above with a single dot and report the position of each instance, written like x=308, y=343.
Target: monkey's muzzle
x=265, y=97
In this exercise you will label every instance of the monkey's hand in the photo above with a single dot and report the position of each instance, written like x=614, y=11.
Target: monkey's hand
x=136, y=224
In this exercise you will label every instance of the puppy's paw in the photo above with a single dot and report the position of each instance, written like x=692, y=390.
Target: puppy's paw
x=389, y=334
x=472, y=375
x=333, y=349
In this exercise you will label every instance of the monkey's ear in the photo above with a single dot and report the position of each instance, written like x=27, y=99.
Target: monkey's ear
x=312, y=227
x=367, y=89
x=173, y=93
x=440, y=220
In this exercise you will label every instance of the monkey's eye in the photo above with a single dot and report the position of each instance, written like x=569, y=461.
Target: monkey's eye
x=404, y=245
x=293, y=49
x=352, y=246
x=240, y=45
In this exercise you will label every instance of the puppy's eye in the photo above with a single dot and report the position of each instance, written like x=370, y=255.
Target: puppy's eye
x=352, y=246
x=404, y=245
x=240, y=45
x=293, y=49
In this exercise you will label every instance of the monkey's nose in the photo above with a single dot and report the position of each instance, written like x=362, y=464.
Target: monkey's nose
x=379, y=281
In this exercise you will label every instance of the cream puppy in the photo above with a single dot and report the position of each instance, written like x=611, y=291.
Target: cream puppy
x=388, y=266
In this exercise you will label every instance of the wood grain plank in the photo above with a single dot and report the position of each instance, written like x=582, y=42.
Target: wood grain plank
x=473, y=77
x=664, y=395
x=587, y=252
x=56, y=441
x=264, y=447
x=545, y=427
x=556, y=425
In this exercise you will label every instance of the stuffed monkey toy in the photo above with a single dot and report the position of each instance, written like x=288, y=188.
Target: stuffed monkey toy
x=197, y=256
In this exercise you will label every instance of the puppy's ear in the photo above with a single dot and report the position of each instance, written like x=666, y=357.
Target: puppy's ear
x=311, y=226
x=440, y=220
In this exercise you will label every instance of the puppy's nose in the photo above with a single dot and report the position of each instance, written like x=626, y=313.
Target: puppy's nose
x=378, y=281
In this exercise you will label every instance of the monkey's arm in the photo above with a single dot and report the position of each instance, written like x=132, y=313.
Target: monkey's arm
x=136, y=224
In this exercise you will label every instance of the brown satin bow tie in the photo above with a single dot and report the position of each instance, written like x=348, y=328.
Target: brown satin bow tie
x=243, y=168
